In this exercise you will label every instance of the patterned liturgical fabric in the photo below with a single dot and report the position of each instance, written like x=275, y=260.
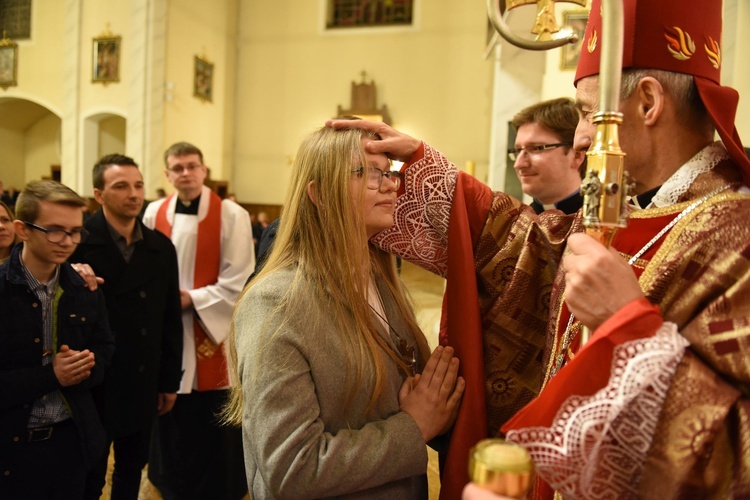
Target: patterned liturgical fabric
x=698, y=274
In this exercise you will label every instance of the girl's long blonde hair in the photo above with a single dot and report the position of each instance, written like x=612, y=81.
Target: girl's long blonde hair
x=327, y=242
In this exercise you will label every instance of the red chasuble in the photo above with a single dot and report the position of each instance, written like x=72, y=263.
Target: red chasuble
x=211, y=363
x=589, y=370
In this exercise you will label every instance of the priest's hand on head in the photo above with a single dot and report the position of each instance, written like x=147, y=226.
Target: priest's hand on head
x=395, y=145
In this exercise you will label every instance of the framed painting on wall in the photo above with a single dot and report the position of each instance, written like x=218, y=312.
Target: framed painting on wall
x=203, y=79
x=106, y=60
x=576, y=20
x=8, y=63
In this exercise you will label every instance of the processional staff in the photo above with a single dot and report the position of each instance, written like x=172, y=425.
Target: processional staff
x=605, y=188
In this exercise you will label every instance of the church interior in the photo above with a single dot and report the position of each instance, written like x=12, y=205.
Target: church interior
x=247, y=80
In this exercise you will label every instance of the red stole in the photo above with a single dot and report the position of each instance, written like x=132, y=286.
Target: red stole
x=461, y=328
x=629, y=242
x=211, y=362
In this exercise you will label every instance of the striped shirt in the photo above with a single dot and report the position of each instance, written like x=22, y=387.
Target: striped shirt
x=50, y=408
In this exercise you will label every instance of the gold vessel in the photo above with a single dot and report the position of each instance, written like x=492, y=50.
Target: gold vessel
x=501, y=467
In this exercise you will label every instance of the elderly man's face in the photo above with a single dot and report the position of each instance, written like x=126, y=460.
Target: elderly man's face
x=633, y=136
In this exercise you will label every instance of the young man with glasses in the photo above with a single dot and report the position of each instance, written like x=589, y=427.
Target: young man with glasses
x=548, y=166
x=139, y=268
x=197, y=457
x=55, y=346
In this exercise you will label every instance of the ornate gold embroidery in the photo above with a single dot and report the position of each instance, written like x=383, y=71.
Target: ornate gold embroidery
x=591, y=45
x=713, y=51
x=207, y=349
x=671, y=239
x=680, y=45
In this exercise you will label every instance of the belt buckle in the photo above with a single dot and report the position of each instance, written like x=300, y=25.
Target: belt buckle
x=40, y=434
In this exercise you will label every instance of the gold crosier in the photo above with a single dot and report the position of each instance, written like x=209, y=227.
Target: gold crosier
x=548, y=35
x=606, y=185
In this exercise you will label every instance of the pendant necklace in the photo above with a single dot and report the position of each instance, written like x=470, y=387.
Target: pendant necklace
x=406, y=353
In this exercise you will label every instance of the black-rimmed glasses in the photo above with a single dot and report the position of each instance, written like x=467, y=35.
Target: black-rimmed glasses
x=179, y=169
x=375, y=176
x=58, y=235
x=534, y=151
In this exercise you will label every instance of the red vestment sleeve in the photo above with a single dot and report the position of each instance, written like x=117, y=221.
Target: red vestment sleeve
x=589, y=370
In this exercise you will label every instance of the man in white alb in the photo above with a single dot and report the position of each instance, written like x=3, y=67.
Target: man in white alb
x=192, y=455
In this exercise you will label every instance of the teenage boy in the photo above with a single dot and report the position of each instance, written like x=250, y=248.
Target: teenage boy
x=55, y=345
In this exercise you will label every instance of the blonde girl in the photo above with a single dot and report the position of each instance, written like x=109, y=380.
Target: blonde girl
x=326, y=347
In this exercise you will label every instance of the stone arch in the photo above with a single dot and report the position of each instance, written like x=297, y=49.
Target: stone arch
x=30, y=138
x=103, y=132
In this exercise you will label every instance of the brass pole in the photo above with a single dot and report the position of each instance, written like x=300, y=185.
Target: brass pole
x=605, y=187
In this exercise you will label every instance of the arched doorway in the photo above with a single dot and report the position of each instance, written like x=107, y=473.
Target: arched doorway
x=30, y=141
x=103, y=134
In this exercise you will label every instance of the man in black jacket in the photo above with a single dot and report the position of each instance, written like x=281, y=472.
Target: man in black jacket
x=139, y=268
x=55, y=345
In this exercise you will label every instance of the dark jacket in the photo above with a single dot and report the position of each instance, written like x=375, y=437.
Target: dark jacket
x=81, y=323
x=143, y=300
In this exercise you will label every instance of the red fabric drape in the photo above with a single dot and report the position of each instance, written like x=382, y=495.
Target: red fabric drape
x=461, y=328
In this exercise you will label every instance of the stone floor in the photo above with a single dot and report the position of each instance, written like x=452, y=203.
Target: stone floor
x=426, y=291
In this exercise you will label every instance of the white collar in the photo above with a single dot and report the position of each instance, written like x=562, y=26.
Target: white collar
x=678, y=184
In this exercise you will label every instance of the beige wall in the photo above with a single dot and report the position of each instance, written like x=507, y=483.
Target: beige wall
x=111, y=134
x=42, y=147
x=206, y=29
x=293, y=75
x=12, y=164
x=557, y=82
x=741, y=75
x=97, y=17
x=40, y=59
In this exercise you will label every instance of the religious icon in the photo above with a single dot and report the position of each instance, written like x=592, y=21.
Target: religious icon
x=106, y=60
x=203, y=79
x=576, y=21
x=8, y=63
x=591, y=189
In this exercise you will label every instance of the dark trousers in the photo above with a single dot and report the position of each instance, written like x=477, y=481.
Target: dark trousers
x=193, y=456
x=53, y=468
x=131, y=456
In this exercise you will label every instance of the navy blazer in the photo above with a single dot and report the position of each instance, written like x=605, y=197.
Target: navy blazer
x=81, y=323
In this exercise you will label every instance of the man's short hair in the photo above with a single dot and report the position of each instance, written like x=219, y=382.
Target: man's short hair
x=27, y=206
x=182, y=149
x=104, y=163
x=680, y=86
x=559, y=116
